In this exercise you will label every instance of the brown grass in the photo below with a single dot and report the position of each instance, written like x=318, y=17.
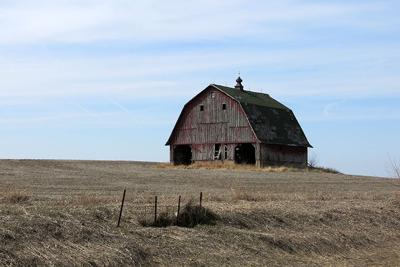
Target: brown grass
x=238, y=194
x=87, y=200
x=64, y=213
x=224, y=166
x=16, y=197
x=242, y=167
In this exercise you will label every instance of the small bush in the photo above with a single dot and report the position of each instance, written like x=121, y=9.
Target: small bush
x=190, y=216
x=193, y=215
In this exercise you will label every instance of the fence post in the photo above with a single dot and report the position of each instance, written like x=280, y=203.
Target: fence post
x=179, y=208
x=155, y=210
x=122, y=206
x=201, y=199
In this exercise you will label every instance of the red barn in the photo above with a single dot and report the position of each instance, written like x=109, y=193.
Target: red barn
x=235, y=125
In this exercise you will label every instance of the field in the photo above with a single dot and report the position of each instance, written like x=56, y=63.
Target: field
x=64, y=213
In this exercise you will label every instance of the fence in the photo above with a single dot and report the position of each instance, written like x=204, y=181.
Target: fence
x=151, y=212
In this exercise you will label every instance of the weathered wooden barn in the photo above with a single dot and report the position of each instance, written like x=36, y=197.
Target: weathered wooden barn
x=235, y=125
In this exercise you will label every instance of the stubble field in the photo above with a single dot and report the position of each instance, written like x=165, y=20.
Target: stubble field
x=64, y=213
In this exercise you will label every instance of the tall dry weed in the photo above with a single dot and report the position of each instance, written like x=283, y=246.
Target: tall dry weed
x=16, y=197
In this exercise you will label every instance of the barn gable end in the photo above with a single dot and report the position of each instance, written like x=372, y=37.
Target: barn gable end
x=211, y=118
x=213, y=124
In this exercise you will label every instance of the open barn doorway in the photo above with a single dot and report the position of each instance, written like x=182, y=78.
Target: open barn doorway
x=245, y=154
x=182, y=155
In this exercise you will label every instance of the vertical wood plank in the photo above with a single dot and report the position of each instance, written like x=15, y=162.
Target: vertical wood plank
x=122, y=206
x=155, y=210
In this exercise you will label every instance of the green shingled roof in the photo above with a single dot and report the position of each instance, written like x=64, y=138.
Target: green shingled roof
x=272, y=122
x=249, y=97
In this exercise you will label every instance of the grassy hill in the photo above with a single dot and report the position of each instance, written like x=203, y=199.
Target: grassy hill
x=64, y=213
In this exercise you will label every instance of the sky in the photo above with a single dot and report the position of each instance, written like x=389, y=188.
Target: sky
x=98, y=79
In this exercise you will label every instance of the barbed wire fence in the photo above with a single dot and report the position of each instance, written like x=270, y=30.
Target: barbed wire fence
x=150, y=213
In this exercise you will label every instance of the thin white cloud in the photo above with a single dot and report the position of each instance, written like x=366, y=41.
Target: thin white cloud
x=329, y=108
x=142, y=21
x=82, y=116
x=324, y=71
x=119, y=106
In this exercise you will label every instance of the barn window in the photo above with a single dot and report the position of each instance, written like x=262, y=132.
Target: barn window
x=223, y=106
x=213, y=95
x=201, y=107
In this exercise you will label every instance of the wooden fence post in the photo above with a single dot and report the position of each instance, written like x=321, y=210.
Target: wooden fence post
x=179, y=208
x=122, y=206
x=201, y=198
x=155, y=210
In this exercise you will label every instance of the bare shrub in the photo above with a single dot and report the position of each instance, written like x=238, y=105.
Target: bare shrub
x=395, y=168
x=190, y=216
x=313, y=165
x=313, y=161
x=193, y=215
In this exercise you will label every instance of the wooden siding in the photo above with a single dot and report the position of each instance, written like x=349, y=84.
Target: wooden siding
x=282, y=155
x=213, y=125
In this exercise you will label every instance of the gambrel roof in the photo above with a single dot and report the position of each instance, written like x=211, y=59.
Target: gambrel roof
x=271, y=121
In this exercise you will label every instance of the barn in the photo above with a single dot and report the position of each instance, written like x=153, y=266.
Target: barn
x=235, y=125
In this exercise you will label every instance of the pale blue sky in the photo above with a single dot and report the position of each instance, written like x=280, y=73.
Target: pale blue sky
x=107, y=79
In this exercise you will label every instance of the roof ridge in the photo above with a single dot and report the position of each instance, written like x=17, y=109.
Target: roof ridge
x=244, y=91
x=251, y=97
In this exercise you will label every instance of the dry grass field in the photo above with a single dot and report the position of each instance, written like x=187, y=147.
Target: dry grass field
x=64, y=213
